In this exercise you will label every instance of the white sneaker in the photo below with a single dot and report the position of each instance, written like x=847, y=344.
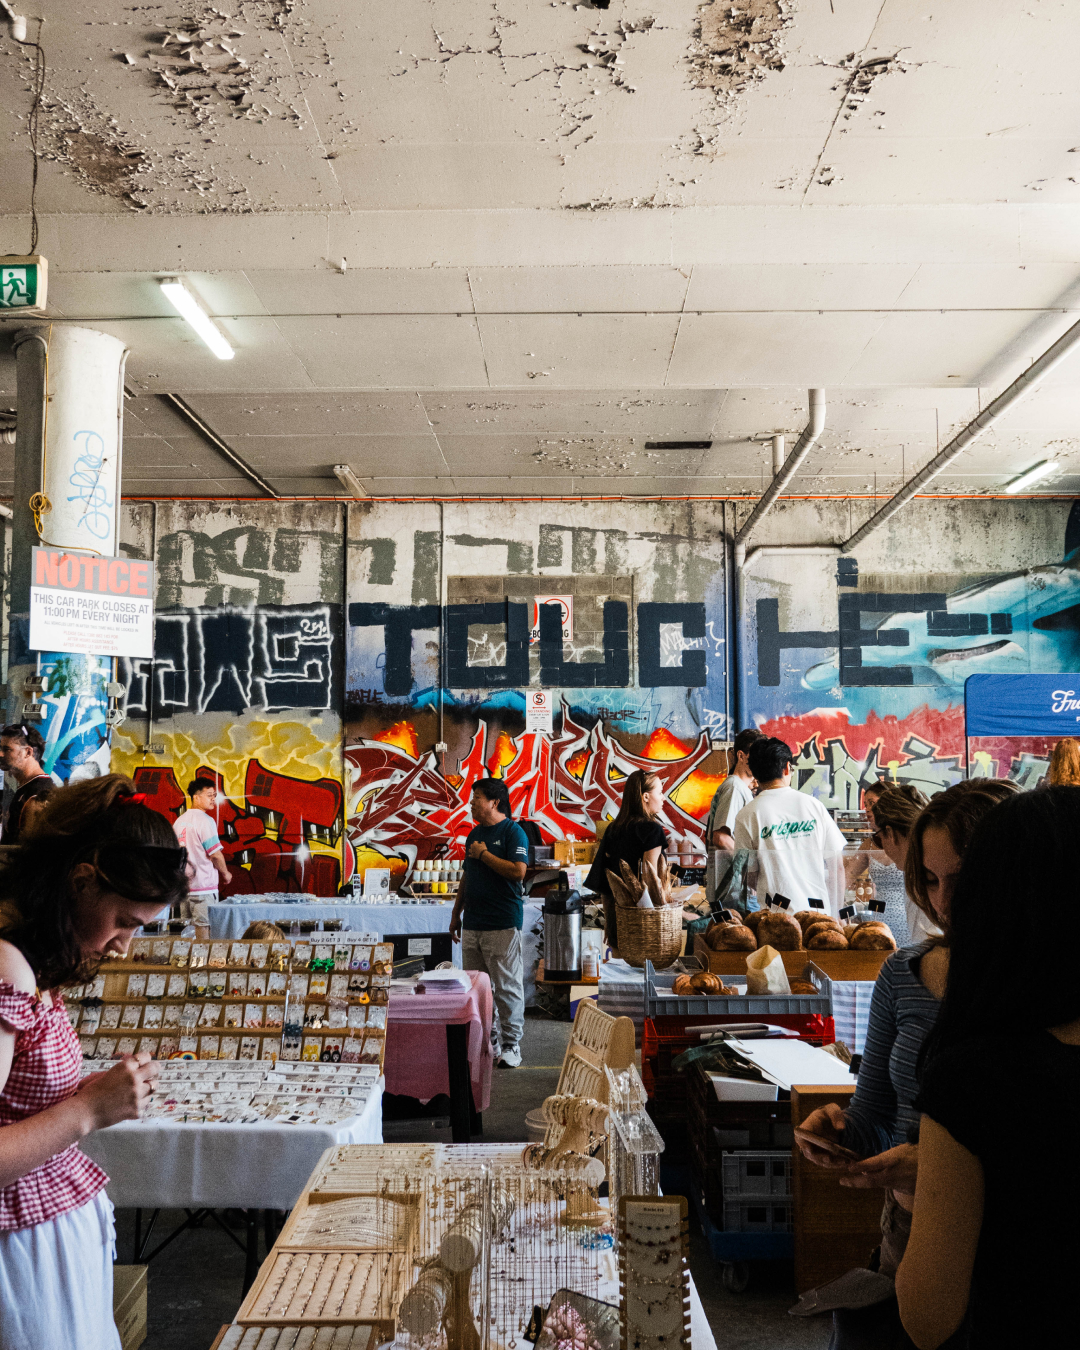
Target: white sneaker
x=510, y=1059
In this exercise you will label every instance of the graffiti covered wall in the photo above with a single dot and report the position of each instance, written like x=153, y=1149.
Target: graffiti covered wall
x=245, y=685
x=859, y=662
x=447, y=629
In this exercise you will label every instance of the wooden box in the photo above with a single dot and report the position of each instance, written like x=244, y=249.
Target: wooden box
x=129, y=1305
x=575, y=852
x=837, y=965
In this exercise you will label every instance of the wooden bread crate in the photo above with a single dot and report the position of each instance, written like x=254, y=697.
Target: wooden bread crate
x=837, y=965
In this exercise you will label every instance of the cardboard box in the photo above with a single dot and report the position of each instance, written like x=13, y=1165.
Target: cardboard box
x=837, y=965
x=575, y=850
x=129, y=1305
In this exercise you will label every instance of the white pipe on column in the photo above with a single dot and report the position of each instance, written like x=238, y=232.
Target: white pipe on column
x=777, y=454
x=814, y=427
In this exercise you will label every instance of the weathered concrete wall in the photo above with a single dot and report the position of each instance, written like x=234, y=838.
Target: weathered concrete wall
x=860, y=661
x=314, y=656
x=246, y=681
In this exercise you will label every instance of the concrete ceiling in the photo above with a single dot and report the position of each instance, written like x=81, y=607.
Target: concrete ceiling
x=475, y=248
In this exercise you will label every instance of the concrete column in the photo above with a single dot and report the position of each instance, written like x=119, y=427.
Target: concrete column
x=68, y=455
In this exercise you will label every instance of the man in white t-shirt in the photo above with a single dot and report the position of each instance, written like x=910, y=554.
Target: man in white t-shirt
x=735, y=792
x=197, y=832
x=800, y=851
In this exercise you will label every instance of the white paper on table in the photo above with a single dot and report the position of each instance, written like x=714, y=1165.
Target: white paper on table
x=787, y=1062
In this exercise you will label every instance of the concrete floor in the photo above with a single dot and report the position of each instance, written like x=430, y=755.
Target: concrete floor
x=194, y=1287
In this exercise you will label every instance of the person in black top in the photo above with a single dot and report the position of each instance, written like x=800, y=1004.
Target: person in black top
x=633, y=836
x=995, y=1243
x=21, y=748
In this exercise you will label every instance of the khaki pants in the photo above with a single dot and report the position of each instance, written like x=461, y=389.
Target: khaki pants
x=497, y=952
x=194, y=907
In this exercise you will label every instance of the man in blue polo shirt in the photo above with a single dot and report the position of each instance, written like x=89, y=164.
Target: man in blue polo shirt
x=488, y=910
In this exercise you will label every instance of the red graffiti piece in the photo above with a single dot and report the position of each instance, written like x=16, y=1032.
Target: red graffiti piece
x=405, y=807
x=943, y=728
x=163, y=792
x=295, y=808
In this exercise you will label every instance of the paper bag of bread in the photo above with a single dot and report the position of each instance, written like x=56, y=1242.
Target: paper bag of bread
x=765, y=973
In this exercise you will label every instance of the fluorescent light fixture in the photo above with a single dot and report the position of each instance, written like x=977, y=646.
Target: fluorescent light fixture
x=1043, y=469
x=349, y=481
x=189, y=308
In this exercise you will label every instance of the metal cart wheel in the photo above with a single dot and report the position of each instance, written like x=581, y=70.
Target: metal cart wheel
x=736, y=1276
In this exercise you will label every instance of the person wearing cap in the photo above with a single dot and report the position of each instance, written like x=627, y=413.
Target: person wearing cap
x=21, y=751
x=197, y=832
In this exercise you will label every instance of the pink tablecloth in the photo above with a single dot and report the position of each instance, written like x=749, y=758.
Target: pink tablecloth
x=415, y=1063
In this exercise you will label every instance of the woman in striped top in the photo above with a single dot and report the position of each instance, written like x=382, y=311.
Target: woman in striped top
x=881, y=1124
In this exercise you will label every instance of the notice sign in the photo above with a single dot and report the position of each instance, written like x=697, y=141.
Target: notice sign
x=538, y=710
x=81, y=602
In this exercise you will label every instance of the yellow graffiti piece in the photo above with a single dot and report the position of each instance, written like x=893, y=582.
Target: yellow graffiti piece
x=366, y=857
x=402, y=735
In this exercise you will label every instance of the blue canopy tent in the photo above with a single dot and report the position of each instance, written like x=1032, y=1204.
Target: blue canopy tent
x=1036, y=709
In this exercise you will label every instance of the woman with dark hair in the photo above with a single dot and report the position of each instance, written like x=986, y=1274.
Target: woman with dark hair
x=881, y=1124
x=994, y=1246
x=634, y=836
x=97, y=866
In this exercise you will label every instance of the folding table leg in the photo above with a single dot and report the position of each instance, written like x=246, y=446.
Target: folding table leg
x=457, y=1065
x=251, y=1259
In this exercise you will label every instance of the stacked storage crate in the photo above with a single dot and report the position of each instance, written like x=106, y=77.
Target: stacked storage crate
x=739, y=1152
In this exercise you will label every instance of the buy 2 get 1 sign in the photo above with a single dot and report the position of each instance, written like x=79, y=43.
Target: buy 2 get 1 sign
x=82, y=602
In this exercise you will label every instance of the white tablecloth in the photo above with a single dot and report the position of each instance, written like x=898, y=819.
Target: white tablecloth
x=230, y=921
x=158, y=1164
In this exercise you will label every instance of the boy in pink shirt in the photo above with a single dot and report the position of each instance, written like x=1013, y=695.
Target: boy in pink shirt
x=197, y=832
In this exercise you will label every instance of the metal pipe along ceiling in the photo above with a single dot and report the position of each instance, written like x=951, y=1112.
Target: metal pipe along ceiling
x=814, y=427
x=1022, y=385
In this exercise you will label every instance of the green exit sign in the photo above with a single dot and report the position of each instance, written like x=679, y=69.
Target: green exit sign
x=23, y=284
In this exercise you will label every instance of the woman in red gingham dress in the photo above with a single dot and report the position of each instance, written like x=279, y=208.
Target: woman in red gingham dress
x=97, y=865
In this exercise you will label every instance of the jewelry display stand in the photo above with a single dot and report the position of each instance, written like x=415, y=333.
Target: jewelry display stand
x=634, y=1145
x=597, y=1040
x=654, y=1275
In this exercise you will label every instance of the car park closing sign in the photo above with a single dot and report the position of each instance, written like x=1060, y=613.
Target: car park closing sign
x=82, y=602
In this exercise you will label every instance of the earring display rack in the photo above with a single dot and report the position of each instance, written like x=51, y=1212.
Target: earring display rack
x=472, y=1243
x=175, y=998
x=654, y=1272
x=597, y=1042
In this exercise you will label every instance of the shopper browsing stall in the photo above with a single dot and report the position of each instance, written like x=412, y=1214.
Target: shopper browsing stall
x=993, y=1251
x=735, y=792
x=21, y=752
x=197, y=831
x=881, y=1124
x=488, y=910
x=894, y=812
x=799, y=849
x=634, y=837
x=98, y=866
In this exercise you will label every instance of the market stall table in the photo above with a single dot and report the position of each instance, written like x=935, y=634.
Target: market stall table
x=441, y=1043
x=167, y=1164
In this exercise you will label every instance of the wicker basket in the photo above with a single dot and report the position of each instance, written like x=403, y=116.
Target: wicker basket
x=654, y=935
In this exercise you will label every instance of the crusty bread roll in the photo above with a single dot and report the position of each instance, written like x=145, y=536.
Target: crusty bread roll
x=803, y=987
x=682, y=986
x=824, y=938
x=849, y=930
x=872, y=937
x=806, y=918
x=705, y=982
x=779, y=930
x=731, y=937
x=752, y=920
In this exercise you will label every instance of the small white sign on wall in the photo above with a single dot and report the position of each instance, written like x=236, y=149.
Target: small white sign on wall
x=538, y=710
x=566, y=605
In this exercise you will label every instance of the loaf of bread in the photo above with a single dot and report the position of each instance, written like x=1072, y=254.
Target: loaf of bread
x=731, y=937
x=802, y=987
x=752, y=920
x=779, y=930
x=806, y=918
x=823, y=937
x=705, y=983
x=872, y=937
